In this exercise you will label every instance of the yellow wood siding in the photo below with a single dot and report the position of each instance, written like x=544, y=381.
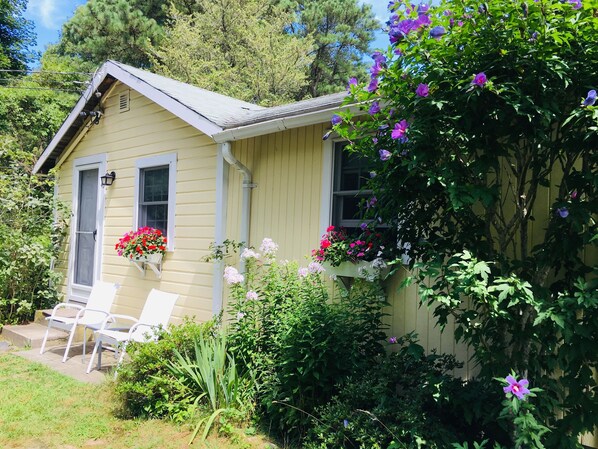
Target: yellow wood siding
x=285, y=206
x=148, y=130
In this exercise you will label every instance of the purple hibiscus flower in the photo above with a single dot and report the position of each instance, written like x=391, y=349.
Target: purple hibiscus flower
x=516, y=387
x=423, y=8
x=352, y=82
x=374, y=108
x=480, y=79
x=336, y=120
x=576, y=4
x=385, y=155
x=373, y=86
x=437, y=32
x=563, y=212
x=422, y=90
x=590, y=99
x=400, y=130
x=422, y=21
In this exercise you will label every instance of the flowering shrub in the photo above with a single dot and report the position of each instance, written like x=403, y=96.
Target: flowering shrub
x=485, y=129
x=143, y=242
x=298, y=342
x=338, y=246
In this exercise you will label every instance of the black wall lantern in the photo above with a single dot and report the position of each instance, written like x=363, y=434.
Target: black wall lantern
x=108, y=178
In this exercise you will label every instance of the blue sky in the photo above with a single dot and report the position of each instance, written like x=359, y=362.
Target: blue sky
x=49, y=15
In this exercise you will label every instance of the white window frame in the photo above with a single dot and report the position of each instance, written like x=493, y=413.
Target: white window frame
x=328, y=173
x=169, y=160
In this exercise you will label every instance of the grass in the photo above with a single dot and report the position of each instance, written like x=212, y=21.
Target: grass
x=41, y=409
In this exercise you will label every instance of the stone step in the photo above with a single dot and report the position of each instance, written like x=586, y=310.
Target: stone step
x=31, y=335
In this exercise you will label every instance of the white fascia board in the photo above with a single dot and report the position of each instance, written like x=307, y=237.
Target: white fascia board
x=281, y=124
x=170, y=104
x=97, y=79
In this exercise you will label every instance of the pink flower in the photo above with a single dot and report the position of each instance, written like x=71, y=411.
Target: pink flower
x=479, y=80
x=400, y=130
x=232, y=276
x=517, y=388
x=315, y=268
x=302, y=272
x=422, y=90
x=251, y=296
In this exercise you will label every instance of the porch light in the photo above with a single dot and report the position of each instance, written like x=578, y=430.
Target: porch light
x=108, y=179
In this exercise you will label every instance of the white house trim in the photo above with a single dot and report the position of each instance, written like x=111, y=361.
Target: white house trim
x=156, y=161
x=77, y=292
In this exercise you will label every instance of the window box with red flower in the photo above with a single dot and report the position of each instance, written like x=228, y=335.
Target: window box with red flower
x=143, y=248
x=359, y=255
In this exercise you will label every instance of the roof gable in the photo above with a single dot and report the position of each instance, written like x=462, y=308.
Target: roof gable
x=218, y=116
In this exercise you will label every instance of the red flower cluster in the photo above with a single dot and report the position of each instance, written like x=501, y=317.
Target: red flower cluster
x=337, y=246
x=143, y=242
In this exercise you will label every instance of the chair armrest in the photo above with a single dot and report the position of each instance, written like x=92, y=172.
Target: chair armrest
x=137, y=325
x=86, y=309
x=64, y=305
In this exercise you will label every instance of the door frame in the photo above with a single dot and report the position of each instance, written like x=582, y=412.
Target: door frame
x=76, y=292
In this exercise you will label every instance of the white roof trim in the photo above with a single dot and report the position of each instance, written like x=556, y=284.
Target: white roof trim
x=170, y=104
x=281, y=124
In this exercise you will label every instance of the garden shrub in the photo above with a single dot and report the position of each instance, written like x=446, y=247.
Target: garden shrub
x=407, y=397
x=146, y=387
x=482, y=132
x=299, y=341
x=30, y=236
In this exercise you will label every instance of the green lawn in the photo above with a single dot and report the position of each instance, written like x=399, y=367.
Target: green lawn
x=41, y=409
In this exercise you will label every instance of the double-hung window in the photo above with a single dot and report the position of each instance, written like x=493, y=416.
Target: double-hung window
x=351, y=173
x=155, y=189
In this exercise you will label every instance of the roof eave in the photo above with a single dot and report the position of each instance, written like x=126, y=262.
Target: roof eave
x=157, y=96
x=283, y=123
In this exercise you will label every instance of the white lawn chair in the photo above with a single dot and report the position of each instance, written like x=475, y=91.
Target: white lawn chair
x=93, y=314
x=156, y=312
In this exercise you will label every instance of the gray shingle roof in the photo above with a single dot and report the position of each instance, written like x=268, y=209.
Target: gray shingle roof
x=221, y=110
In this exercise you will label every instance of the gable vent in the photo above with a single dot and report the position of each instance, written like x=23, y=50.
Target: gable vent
x=123, y=102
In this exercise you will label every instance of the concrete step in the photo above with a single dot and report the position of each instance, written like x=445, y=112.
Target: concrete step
x=31, y=335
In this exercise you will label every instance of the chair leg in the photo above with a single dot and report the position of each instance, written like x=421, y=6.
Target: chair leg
x=84, y=343
x=41, y=351
x=69, y=343
x=93, y=354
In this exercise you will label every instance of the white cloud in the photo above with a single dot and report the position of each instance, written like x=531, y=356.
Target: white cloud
x=50, y=13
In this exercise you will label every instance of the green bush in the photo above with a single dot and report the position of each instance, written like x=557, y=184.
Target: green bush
x=300, y=343
x=146, y=387
x=210, y=377
x=407, y=397
x=30, y=236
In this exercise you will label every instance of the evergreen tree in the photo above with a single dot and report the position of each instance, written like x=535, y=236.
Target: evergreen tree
x=15, y=35
x=342, y=31
x=238, y=48
x=113, y=29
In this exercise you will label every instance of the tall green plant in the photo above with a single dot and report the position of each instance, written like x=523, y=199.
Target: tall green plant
x=212, y=377
x=478, y=111
x=30, y=236
x=300, y=342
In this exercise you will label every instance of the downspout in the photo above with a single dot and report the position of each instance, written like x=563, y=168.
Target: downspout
x=225, y=155
x=246, y=204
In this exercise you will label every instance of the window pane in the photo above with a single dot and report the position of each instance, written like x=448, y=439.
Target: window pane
x=156, y=216
x=155, y=184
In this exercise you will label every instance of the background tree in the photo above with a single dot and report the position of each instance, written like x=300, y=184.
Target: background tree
x=113, y=29
x=342, y=31
x=15, y=36
x=237, y=48
x=484, y=126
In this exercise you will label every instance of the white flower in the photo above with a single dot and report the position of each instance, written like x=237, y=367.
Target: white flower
x=240, y=316
x=251, y=296
x=333, y=277
x=232, y=276
x=378, y=263
x=315, y=268
x=268, y=247
x=302, y=272
x=249, y=254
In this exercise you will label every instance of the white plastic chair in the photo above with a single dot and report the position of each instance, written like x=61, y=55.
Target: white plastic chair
x=156, y=312
x=93, y=314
